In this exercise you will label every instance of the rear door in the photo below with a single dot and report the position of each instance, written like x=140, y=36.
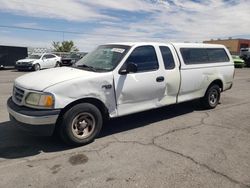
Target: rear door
x=144, y=89
x=52, y=60
x=171, y=74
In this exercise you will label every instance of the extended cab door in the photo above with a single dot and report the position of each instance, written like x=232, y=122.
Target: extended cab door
x=171, y=74
x=143, y=89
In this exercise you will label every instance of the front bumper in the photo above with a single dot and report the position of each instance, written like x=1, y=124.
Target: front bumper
x=38, y=121
x=66, y=63
x=24, y=66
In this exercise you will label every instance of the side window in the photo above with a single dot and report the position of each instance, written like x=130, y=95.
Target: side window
x=217, y=55
x=50, y=56
x=45, y=56
x=204, y=55
x=145, y=58
x=194, y=55
x=167, y=58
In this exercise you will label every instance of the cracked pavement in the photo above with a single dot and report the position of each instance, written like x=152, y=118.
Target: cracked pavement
x=175, y=146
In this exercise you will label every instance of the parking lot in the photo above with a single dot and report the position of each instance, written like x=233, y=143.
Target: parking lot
x=175, y=146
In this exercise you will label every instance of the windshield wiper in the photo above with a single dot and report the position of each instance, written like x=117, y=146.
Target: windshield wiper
x=88, y=67
x=92, y=68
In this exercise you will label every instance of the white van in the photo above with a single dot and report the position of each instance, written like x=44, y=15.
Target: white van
x=115, y=80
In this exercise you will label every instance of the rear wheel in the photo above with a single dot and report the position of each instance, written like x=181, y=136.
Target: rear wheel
x=212, y=97
x=81, y=124
x=57, y=64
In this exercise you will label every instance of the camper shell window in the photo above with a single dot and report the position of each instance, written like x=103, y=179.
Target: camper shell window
x=204, y=55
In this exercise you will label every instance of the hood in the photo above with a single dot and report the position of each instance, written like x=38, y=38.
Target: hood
x=41, y=80
x=26, y=60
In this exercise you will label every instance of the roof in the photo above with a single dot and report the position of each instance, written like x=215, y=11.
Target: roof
x=136, y=43
x=175, y=44
x=196, y=45
x=229, y=39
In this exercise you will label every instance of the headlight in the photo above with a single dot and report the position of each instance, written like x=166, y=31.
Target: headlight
x=45, y=100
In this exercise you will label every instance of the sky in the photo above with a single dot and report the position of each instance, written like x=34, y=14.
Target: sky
x=93, y=22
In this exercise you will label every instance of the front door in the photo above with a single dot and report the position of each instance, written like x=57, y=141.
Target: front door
x=45, y=61
x=141, y=90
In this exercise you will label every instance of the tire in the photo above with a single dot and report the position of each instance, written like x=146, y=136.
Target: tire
x=81, y=124
x=212, y=97
x=37, y=67
x=57, y=64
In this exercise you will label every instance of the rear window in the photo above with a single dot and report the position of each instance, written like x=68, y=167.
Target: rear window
x=167, y=58
x=204, y=55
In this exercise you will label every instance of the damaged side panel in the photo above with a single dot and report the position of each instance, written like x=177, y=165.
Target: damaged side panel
x=137, y=92
x=203, y=77
x=97, y=87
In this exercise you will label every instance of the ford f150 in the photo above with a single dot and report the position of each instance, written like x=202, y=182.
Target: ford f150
x=115, y=80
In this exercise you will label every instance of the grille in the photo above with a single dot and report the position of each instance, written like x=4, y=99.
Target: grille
x=18, y=94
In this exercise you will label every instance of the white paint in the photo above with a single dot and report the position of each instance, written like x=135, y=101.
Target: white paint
x=132, y=92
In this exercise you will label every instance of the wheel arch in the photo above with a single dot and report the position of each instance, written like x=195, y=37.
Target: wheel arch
x=96, y=102
x=217, y=82
x=58, y=63
x=36, y=63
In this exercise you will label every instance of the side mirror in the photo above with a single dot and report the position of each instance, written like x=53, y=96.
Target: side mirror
x=130, y=67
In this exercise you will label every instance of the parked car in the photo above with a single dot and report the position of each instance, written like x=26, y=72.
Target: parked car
x=116, y=80
x=38, y=61
x=70, y=59
x=238, y=62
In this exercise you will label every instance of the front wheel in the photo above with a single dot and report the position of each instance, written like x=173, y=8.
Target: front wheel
x=81, y=124
x=37, y=67
x=212, y=97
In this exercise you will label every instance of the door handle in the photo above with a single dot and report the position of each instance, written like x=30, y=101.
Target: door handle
x=160, y=79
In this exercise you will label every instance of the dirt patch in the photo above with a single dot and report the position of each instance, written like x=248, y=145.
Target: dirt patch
x=78, y=159
x=110, y=179
x=56, y=168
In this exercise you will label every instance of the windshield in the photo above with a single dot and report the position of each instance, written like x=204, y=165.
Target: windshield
x=104, y=58
x=33, y=57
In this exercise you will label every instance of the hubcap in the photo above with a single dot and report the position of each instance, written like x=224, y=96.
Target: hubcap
x=213, y=97
x=83, y=125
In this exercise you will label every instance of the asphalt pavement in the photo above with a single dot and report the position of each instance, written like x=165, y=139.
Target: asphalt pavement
x=176, y=146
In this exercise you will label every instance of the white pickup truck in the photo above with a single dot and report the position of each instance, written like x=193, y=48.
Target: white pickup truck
x=115, y=80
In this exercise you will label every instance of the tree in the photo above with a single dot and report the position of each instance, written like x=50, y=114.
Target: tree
x=65, y=46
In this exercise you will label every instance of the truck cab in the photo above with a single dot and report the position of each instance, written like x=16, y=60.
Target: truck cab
x=116, y=80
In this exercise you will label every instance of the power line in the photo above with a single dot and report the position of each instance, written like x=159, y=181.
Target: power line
x=39, y=29
x=68, y=32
